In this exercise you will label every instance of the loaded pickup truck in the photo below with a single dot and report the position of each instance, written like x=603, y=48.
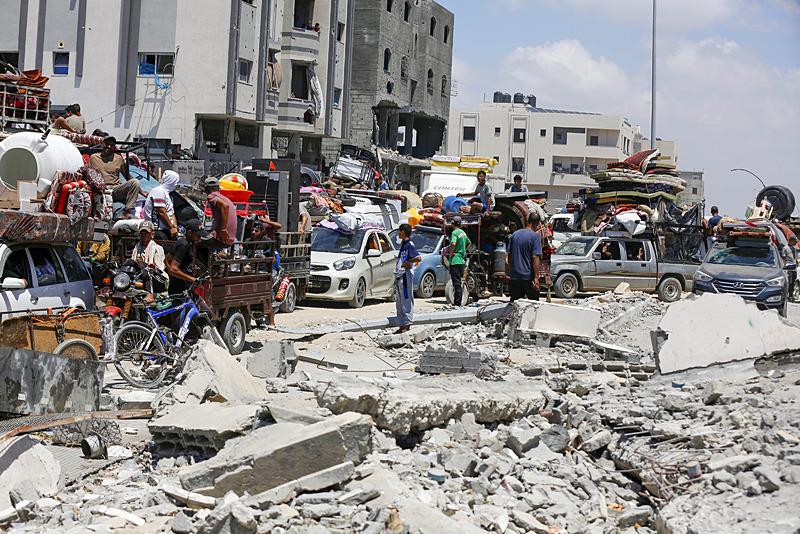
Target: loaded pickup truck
x=596, y=263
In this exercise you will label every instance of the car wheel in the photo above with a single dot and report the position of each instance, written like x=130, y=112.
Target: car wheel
x=566, y=286
x=234, y=331
x=670, y=289
x=360, y=295
x=426, y=286
x=289, y=299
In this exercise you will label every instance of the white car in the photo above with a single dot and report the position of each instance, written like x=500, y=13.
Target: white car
x=562, y=233
x=38, y=276
x=352, y=267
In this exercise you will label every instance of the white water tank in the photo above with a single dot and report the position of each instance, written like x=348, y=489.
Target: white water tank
x=25, y=156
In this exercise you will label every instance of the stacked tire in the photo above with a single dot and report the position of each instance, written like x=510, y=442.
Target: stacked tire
x=781, y=198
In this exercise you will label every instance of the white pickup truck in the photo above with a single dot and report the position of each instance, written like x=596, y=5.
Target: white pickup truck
x=593, y=263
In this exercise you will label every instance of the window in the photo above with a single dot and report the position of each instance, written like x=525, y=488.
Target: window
x=433, y=26
x=12, y=58
x=594, y=140
x=389, y=5
x=73, y=264
x=404, y=68
x=469, y=133
x=387, y=59
x=519, y=135
x=694, y=190
x=413, y=89
x=517, y=164
x=304, y=14
x=444, y=85
x=299, y=81
x=415, y=44
x=389, y=87
x=446, y=34
x=245, y=67
x=60, y=63
x=592, y=168
x=575, y=168
x=156, y=64
x=245, y=134
x=340, y=32
x=542, y=133
x=386, y=246
x=636, y=251
x=17, y=266
x=497, y=131
x=609, y=250
x=337, y=97
x=46, y=267
x=407, y=12
x=541, y=162
x=430, y=81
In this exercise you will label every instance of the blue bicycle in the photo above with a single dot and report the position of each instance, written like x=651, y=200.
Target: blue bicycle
x=146, y=352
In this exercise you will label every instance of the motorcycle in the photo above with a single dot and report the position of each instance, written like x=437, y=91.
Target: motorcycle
x=131, y=288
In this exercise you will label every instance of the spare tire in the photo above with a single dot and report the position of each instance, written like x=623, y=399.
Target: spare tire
x=781, y=198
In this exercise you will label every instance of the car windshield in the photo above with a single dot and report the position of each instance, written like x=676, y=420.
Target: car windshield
x=560, y=225
x=576, y=247
x=425, y=241
x=327, y=240
x=746, y=256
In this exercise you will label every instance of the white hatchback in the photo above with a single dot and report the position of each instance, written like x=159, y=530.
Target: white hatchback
x=36, y=277
x=351, y=268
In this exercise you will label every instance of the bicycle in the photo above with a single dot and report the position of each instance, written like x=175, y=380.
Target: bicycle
x=145, y=352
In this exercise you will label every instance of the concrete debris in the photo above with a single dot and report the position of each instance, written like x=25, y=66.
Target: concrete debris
x=622, y=288
x=135, y=400
x=404, y=406
x=530, y=319
x=200, y=430
x=413, y=337
x=738, y=331
x=27, y=469
x=211, y=374
x=189, y=498
x=437, y=359
x=276, y=454
x=275, y=359
x=318, y=481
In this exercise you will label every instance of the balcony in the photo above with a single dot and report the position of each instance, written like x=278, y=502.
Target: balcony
x=271, y=97
x=292, y=115
x=300, y=44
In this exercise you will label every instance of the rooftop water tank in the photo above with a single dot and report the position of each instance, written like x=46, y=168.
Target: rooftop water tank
x=498, y=97
x=506, y=98
x=519, y=98
x=26, y=156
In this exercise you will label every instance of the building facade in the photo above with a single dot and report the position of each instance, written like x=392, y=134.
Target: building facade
x=401, y=76
x=214, y=76
x=553, y=150
x=695, y=189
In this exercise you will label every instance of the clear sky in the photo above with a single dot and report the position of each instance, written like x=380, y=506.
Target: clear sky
x=728, y=75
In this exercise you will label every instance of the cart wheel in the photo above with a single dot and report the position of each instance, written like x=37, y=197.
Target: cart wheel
x=289, y=299
x=234, y=330
x=77, y=349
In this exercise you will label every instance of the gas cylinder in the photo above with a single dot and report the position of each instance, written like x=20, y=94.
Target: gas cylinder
x=500, y=255
x=282, y=288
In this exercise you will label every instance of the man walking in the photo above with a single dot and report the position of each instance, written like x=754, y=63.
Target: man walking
x=458, y=258
x=407, y=258
x=522, y=262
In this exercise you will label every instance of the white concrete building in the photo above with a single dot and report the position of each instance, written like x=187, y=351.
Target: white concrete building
x=200, y=74
x=695, y=188
x=553, y=150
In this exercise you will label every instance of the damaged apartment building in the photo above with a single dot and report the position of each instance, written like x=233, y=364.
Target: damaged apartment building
x=401, y=76
x=211, y=76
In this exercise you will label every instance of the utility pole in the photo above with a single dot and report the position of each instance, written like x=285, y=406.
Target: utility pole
x=653, y=85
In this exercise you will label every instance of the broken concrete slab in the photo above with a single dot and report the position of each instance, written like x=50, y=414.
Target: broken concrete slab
x=417, y=404
x=39, y=382
x=275, y=359
x=531, y=318
x=136, y=400
x=211, y=374
x=413, y=337
x=437, y=359
x=321, y=480
x=23, y=460
x=276, y=454
x=739, y=331
x=201, y=430
x=189, y=498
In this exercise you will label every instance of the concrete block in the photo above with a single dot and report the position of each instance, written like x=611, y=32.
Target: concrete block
x=622, y=288
x=275, y=359
x=324, y=479
x=436, y=359
x=24, y=460
x=521, y=440
x=426, y=402
x=201, y=430
x=211, y=374
x=738, y=331
x=190, y=499
x=276, y=454
x=531, y=318
x=135, y=400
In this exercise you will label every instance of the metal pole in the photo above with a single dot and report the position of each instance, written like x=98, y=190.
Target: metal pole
x=752, y=173
x=653, y=85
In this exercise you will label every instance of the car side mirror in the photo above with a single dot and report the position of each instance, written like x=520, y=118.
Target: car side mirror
x=373, y=253
x=14, y=283
x=597, y=256
x=791, y=267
